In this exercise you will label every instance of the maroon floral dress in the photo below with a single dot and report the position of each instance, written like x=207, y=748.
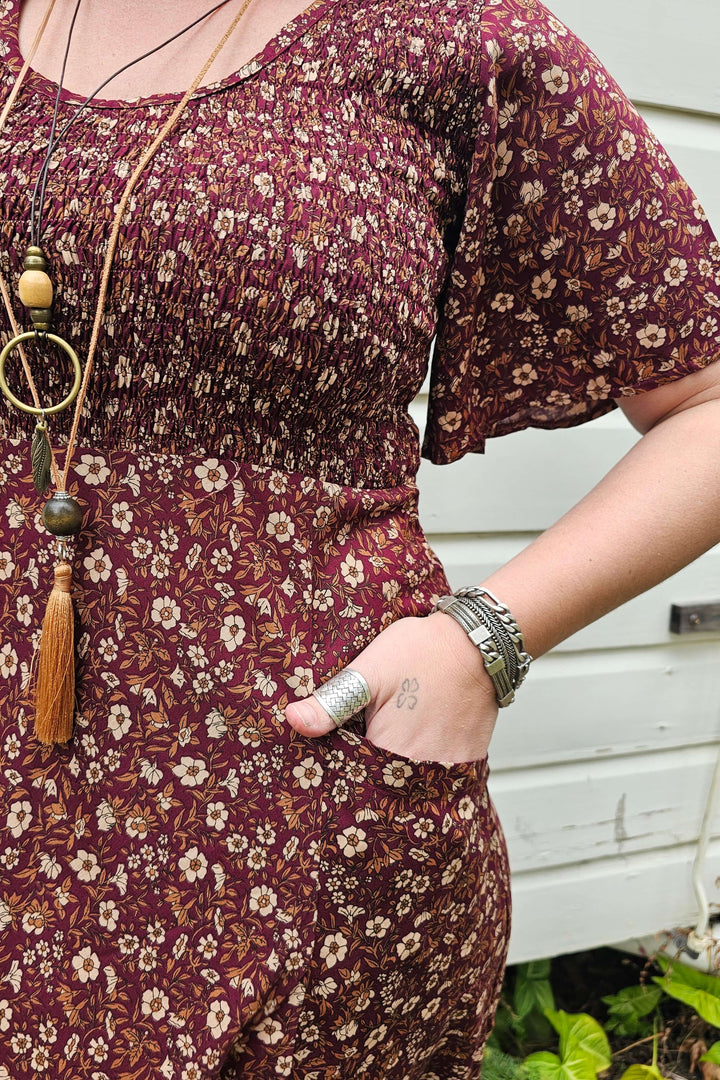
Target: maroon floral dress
x=188, y=889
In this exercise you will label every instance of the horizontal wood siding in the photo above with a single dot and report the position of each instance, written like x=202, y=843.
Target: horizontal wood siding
x=661, y=52
x=600, y=771
x=585, y=904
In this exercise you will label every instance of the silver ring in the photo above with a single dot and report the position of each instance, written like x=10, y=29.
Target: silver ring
x=344, y=695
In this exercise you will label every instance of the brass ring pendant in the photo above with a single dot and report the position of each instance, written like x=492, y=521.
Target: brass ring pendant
x=67, y=349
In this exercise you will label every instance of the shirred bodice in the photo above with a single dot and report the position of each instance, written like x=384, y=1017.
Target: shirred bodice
x=382, y=174
x=273, y=294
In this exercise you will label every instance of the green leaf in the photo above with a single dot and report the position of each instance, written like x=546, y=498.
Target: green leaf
x=547, y=1066
x=533, y=992
x=633, y=1000
x=700, y=991
x=536, y=969
x=543, y=1066
x=581, y=1038
x=627, y=1008
x=630, y=1027
x=642, y=1072
x=689, y=976
x=713, y=1054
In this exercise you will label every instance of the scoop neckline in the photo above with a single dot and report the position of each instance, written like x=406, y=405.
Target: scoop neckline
x=275, y=46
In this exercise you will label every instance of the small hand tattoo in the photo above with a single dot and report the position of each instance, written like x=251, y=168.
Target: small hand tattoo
x=408, y=694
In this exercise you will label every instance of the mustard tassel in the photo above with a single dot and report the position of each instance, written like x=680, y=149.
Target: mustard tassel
x=55, y=687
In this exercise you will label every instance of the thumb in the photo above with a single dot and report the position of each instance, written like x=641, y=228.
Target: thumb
x=308, y=717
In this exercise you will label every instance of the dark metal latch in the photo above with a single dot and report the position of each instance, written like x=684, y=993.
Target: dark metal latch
x=695, y=618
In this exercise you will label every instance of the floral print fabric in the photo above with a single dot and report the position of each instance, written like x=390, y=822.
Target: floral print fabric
x=585, y=268
x=188, y=889
x=381, y=172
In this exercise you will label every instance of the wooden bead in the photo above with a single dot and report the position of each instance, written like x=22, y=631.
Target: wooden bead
x=35, y=289
x=62, y=516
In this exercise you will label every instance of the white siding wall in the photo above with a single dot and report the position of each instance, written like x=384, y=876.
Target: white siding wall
x=602, y=767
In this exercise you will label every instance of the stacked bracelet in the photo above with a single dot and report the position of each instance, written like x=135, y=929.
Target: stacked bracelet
x=490, y=626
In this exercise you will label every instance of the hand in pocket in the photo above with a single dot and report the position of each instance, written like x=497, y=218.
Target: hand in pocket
x=431, y=698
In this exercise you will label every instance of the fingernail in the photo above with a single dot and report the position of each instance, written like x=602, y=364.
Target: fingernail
x=306, y=713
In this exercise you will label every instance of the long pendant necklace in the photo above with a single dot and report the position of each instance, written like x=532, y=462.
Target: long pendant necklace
x=62, y=515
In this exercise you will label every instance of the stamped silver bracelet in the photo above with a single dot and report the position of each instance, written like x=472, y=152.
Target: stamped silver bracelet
x=492, y=628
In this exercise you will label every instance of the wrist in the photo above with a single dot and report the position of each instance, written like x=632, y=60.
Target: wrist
x=456, y=642
x=492, y=629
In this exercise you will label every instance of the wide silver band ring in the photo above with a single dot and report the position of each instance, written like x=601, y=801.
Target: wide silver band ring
x=344, y=695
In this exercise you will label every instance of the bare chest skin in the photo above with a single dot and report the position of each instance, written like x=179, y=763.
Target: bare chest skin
x=110, y=33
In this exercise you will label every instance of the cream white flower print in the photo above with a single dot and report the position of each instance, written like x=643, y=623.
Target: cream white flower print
x=218, y=1018
x=166, y=612
x=86, y=964
x=25, y=609
x=252, y=421
x=232, y=632
x=193, y=865
x=8, y=661
x=93, y=469
x=122, y=516
x=268, y=1031
x=192, y=772
x=352, y=841
x=98, y=565
x=652, y=336
x=396, y=773
x=212, y=475
x=301, y=681
x=280, y=526
x=155, y=1003
x=119, y=720
x=334, y=949
x=19, y=817
x=352, y=570
x=262, y=900
x=544, y=285
x=602, y=217
x=556, y=80
x=86, y=866
x=308, y=773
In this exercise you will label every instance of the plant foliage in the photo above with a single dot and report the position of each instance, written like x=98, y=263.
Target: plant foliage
x=712, y=1055
x=628, y=1011
x=500, y=1066
x=584, y=1050
x=694, y=988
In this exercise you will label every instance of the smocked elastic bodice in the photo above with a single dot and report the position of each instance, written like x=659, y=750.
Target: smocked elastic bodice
x=274, y=290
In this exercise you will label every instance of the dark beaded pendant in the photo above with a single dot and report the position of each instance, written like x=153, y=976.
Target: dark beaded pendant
x=62, y=515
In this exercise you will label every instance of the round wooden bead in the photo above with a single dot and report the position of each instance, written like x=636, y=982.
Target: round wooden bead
x=62, y=516
x=35, y=289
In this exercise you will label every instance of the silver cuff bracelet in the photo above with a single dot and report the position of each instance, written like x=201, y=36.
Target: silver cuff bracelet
x=492, y=628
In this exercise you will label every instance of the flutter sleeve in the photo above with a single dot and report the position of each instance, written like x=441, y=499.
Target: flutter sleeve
x=584, y=269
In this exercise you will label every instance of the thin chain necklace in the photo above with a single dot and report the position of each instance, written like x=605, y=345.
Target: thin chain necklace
x=62, y=515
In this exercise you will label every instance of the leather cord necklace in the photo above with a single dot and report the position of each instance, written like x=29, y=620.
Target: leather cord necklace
x=62, y=515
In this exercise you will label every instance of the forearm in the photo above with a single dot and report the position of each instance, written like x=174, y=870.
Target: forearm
x=655, y=512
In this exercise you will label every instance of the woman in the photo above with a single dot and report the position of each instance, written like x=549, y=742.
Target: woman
x=210, y=878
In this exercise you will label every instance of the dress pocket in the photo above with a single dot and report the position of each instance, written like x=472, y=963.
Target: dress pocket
x=405, y=777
